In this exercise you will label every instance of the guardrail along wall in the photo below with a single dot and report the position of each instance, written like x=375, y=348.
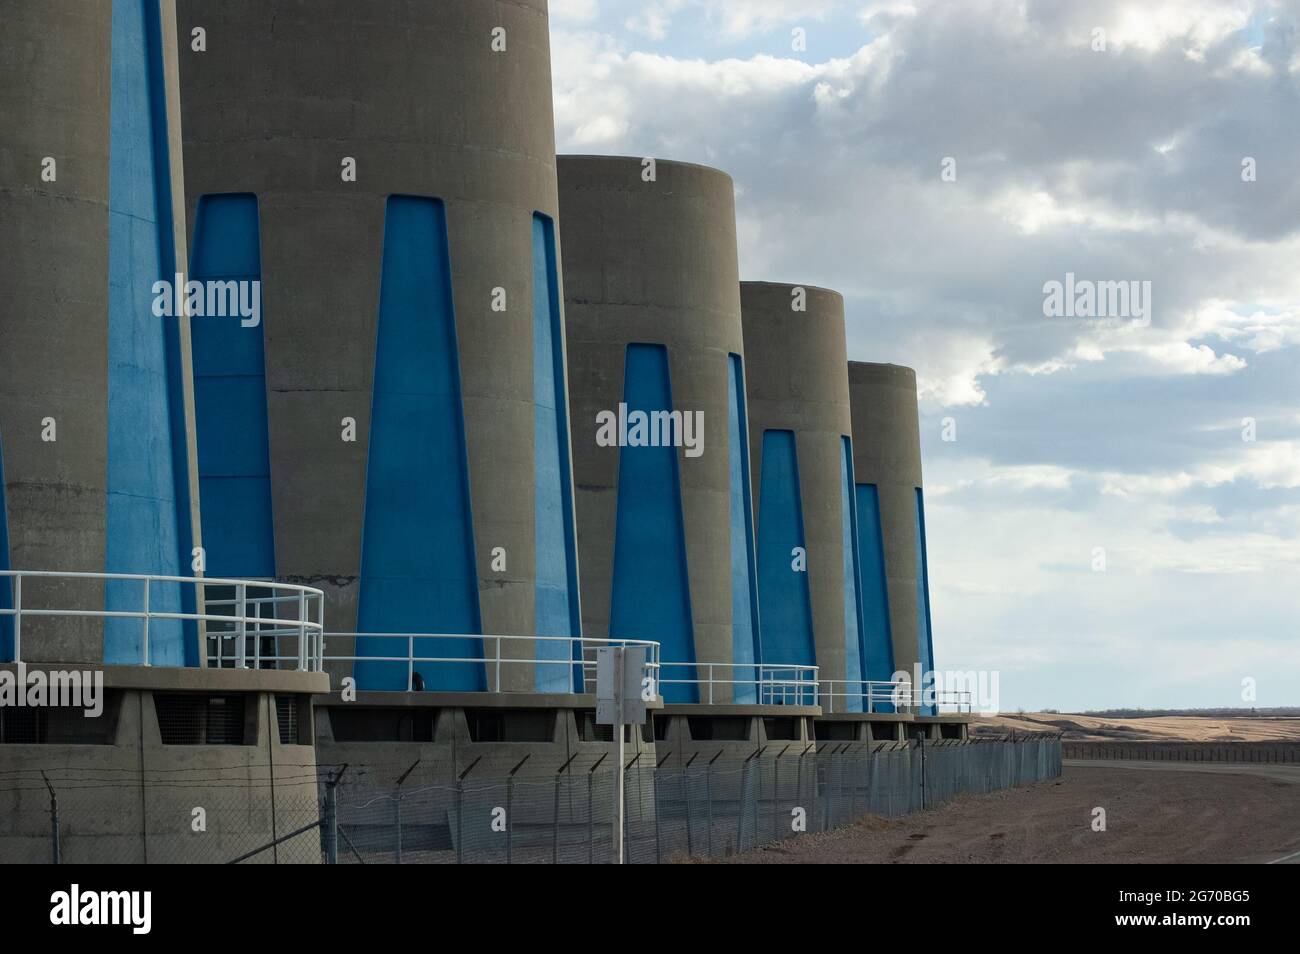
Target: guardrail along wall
x=394, y=430
x=94, y=462
x=803, y=477
x=653, y=326
x=891, y=516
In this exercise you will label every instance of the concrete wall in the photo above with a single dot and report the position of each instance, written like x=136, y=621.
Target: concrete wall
x=653, y=263
x=54, y=80
x=132, y=799
x=797, y=383
x=887, y=453
x=417, y=96
x=92, y=89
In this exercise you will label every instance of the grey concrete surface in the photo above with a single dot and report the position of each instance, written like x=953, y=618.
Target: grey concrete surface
x=652, y=262
x=887, y=453
x=136, y=800
x=413, y=92
x=452, y=751
x=54, y=101
x=796, y=379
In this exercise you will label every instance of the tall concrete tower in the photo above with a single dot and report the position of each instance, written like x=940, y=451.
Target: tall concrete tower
x=891, y=514
x=395, y=428
x=803, y=471
x=97, y=477
x=653, y=322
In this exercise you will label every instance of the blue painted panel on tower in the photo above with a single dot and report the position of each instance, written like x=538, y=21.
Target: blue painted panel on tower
x=6, y=587
x=785, y=607
x=878, y=636
x=924, y=637
x=230, y=397
x=418, y=571
x=744, y=586
x=651, y=596
x=147, y=518
x=853, y=641
x=556, y=605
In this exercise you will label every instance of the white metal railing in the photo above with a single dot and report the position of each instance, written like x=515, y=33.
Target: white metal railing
x=858, y=695
x=753, y=683
x=499, y=655
x=275, y=612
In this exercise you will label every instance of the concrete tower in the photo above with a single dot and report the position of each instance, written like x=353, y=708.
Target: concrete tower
x=394, y=430
x=891, y=515
x=803, y=473
x=96, y=461
x=653, y=324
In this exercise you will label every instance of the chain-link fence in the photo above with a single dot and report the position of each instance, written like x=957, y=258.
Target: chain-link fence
x=1286, y=753
x=108, y=815
x=704, y=808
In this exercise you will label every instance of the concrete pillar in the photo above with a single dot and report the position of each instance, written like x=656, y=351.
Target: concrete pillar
x=92, y=382
x=887, y=454
x=794, y=338
x=652, y=264
x=286, y=97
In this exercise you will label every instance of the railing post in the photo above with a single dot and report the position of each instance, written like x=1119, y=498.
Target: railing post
x=710, y=665
x=18, y=617
x=241, y=613
x=497, y=687
x=410, y=663
x=144, y=640
x=303, y=648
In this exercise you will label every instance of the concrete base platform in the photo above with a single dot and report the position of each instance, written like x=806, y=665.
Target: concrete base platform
x=435, y=738
x=178, y=766
x=731, y=732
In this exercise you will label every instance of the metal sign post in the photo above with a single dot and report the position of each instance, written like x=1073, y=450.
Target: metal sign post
x=620, y=701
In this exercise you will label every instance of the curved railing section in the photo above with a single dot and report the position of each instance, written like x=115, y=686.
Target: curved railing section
x=243, y=623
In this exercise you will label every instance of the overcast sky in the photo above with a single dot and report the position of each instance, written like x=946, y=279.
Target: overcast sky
x=1071, y=433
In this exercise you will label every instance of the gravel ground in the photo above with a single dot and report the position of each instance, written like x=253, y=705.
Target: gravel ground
x=1151, y=816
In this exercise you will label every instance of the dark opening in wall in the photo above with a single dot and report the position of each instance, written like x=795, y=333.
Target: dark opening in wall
x=782, y=729
x=511, y=725
x=60, y=725
x=835, y=731
x=590, y=731
x=293, y=715
x=883, y=731
x=950, y=730
x=660, y=727
x=404, y=724
x=718, y=728
x=200, y=719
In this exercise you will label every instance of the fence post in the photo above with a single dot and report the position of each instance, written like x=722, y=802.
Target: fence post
x=555, y=844
x=331, y=826
x=54, y=822
x=921, y=746
x=708, y=802
x=686, y=797
x=510, y=796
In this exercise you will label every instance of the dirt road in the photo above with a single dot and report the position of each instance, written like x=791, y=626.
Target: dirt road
x=1154, y=813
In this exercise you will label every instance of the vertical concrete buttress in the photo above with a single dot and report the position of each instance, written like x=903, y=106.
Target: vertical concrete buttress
x=650, y=273
x=433, y=101
x=887, y=454
x=794, y=339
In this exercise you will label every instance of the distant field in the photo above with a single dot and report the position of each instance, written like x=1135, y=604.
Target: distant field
x=1162, y=728
x=1154, y=814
